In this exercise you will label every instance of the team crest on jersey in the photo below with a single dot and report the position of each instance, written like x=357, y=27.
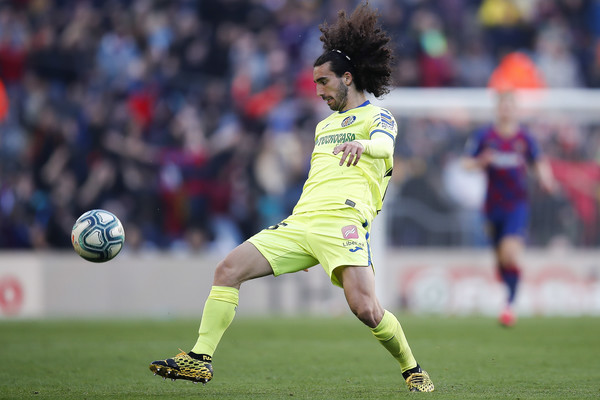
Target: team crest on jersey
x=350, y=232
x=348, y=121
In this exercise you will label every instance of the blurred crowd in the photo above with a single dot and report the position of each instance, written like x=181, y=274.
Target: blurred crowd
x=193, y=121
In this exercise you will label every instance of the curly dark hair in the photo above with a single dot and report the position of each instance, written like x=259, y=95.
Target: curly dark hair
x=360, y=46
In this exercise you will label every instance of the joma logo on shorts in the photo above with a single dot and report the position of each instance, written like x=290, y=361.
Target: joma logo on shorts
x=350, y=232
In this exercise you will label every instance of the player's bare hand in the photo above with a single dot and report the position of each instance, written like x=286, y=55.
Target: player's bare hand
x=351, y=151
x=551, y=187
x=485, y=158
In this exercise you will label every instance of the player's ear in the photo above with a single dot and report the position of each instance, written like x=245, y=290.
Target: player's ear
x=347, y=78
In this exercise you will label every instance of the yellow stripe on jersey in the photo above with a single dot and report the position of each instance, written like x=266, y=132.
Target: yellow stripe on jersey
x=329, y=185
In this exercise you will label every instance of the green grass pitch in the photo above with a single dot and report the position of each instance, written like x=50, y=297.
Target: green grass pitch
x=303, y=358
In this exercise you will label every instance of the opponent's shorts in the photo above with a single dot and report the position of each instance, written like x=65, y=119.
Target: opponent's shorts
x=332, y=239
x=503, y=223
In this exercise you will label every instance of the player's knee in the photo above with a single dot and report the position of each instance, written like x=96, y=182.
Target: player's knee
x=508, y=260
x=226, y=274
x=368, y=314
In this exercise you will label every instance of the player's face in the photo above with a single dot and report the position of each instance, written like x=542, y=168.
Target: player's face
x=330, y=88
x=506, y=107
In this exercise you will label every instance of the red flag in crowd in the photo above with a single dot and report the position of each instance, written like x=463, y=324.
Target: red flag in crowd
x=581, y=182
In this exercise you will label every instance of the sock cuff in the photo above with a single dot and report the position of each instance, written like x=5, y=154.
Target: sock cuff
x=386, y=328
x=225, y=293
x=406, y=372
x=201, y=357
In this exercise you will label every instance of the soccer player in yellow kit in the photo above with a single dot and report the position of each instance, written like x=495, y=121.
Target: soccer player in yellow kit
x=350, y=169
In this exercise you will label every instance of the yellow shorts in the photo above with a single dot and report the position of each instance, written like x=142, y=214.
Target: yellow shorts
x=332, y=239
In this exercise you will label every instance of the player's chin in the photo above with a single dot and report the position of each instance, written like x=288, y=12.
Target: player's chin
x=331, y=103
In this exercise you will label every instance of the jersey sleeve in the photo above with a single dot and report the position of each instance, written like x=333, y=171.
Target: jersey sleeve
x=383, y=122
x=382, y=135
x=474, y=145
x=379, y=146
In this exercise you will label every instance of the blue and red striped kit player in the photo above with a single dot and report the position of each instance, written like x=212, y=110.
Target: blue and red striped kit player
x=505, y=150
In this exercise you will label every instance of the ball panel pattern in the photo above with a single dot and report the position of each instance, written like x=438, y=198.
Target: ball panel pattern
x=98, y=236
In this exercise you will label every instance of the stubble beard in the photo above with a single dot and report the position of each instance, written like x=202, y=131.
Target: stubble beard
x=341, y=98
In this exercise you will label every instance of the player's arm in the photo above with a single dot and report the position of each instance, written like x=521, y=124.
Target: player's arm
x=543, y=171
x=541, y=166
x=475, y=155
x=381, y=145
x=480, y=161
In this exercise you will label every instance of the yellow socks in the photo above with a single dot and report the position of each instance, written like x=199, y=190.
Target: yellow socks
x=219, y=311
x=390, y=335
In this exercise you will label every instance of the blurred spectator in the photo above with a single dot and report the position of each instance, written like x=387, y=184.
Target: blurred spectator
x=194, y=119
x=553, y=58
x=504, y=25
x=475, y=66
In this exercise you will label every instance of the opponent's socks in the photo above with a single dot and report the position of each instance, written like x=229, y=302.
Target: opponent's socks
x=391, y=336
x=218, y=313
x=510, y=275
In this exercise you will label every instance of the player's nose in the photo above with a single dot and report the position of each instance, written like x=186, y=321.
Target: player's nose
x=320, y=91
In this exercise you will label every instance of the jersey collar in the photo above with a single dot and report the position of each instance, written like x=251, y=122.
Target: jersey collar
x=366, y=103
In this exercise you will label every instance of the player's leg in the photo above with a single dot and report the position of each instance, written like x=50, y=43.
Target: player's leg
x=509, y=246
x=340, y=242
x=359, y=289
x=508, y=252
x=245, y=262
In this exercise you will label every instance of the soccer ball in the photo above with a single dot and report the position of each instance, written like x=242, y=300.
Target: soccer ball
x=98, y=236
